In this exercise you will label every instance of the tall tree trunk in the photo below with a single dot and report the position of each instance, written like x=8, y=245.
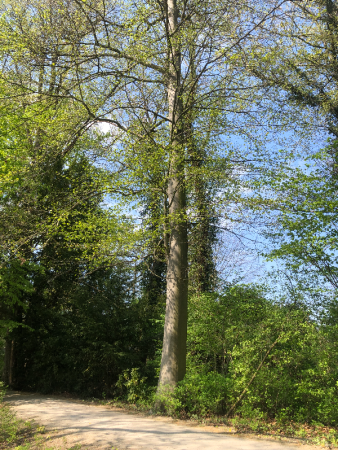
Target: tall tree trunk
x=173, y=364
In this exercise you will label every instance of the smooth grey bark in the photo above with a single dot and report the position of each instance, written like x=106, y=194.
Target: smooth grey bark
x=173, y=363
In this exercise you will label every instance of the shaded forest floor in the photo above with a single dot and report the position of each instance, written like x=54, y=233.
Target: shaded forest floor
x=72, y=424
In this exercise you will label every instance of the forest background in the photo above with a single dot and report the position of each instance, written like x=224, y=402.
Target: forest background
x=154, y=155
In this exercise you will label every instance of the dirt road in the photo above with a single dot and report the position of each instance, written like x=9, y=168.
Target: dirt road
x=101, y=427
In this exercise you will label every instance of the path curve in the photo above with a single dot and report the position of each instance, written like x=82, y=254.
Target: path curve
x=101, y=427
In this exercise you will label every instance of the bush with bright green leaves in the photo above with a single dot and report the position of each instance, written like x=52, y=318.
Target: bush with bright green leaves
x=202, y=393
x=229, y=336
x=132, y=386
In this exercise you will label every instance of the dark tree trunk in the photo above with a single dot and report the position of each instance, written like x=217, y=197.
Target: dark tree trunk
x=8, y=372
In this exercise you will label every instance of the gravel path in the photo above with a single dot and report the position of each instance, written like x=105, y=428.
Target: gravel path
x=101, y=427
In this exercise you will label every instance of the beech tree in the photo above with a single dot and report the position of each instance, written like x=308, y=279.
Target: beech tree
x=167, y=77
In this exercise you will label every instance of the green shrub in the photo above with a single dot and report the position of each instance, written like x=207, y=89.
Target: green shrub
x=132, y=386
x=202, y=394
x=166, y=401
x=229, y=335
